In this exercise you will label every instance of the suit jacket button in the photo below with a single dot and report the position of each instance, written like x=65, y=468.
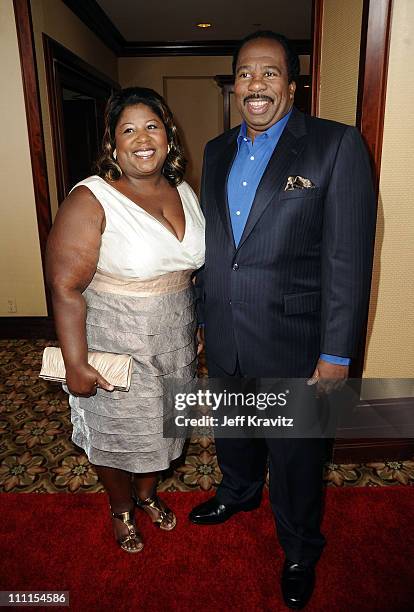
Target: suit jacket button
x=230, y=302
x=235, y=266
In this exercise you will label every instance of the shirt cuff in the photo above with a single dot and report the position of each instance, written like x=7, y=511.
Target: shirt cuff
x=336, y=360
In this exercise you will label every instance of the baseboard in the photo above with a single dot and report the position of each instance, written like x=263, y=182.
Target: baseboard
x=364, y=450
x=31, y=328
x=356, y=447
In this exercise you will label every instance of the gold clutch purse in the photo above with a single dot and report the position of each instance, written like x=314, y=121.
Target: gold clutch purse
x=116, y=369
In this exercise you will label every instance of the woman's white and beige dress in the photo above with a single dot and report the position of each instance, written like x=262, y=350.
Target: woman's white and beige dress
x=139, y=302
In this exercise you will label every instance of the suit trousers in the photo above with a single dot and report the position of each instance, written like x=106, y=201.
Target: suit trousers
x=295, y=483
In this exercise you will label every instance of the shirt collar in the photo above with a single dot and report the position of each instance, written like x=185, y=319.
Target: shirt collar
x=271, y=135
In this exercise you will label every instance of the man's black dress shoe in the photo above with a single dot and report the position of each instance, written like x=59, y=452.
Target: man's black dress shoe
x=212, y=512
x=298, y=581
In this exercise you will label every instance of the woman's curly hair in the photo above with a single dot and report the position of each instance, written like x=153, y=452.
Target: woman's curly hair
x=175, y=163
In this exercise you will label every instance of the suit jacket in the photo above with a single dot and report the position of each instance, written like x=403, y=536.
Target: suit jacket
x=297, y=285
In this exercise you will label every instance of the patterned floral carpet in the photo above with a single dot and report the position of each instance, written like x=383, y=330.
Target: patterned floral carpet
x=36, y=452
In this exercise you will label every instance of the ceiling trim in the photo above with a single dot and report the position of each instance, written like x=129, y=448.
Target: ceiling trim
x=197, y=47
x=96, y=20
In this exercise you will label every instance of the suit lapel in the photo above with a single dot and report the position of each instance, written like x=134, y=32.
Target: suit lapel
x=222, y=173
x=287, y=149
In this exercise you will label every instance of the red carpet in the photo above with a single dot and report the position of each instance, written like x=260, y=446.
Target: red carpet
x=63, y=542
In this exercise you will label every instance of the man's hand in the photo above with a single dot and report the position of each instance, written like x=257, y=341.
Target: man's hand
x=328, y=376
x=200, y=340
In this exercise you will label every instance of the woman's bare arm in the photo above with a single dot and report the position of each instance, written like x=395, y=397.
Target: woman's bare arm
x=71, y=258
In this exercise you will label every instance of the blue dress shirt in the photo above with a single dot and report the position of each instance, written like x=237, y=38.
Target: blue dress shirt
x=247, y=170
x=244, y=178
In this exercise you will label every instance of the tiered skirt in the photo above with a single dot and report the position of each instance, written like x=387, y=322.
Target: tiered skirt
x=154, y=321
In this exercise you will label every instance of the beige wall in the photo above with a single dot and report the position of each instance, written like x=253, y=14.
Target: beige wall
x=197, y=105
x=150, y=71
x=21, y=277
x=341, y=34
x=390, y=346
x=57, y=21
x=390, y=350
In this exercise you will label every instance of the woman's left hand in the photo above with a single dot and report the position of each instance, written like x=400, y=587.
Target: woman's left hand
x=200, y=340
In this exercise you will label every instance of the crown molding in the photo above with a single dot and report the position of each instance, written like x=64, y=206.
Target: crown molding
x=91, y=14
x=97, y=20
x=195, y=47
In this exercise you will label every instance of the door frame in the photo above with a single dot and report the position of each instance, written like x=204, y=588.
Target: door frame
x=42, y=327
x=373, y=68
x=371, y=97
x=65, y=68
x=25, y=38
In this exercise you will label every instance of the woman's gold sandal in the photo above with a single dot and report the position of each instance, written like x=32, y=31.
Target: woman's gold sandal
x=166, y=519
x=132, y=536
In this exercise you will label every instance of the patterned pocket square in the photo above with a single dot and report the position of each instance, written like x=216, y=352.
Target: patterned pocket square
x=298, y=182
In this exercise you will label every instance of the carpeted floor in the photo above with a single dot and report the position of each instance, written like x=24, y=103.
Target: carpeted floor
x=37, y=455
x=64, y=542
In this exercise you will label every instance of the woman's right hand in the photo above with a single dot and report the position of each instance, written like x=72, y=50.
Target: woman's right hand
x=84, y=380
x=71, y=260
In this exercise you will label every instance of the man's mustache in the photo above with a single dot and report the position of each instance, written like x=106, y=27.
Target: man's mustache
x=257, y=97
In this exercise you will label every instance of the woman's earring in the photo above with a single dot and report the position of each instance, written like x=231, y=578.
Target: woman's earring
x=168, y=149
x=116, y=162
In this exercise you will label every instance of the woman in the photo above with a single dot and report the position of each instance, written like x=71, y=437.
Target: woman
x=119, y=262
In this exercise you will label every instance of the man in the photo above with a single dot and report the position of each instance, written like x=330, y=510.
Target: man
x=290, y=221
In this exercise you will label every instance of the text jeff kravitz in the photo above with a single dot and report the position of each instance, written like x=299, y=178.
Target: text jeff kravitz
x=238, y=421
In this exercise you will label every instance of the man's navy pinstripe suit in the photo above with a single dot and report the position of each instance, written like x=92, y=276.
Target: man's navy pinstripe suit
x=296, y=286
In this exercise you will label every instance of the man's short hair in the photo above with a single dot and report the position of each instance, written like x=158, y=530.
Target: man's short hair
x=292, y=59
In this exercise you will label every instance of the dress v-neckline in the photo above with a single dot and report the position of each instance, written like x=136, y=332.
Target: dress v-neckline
x=172, y=234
